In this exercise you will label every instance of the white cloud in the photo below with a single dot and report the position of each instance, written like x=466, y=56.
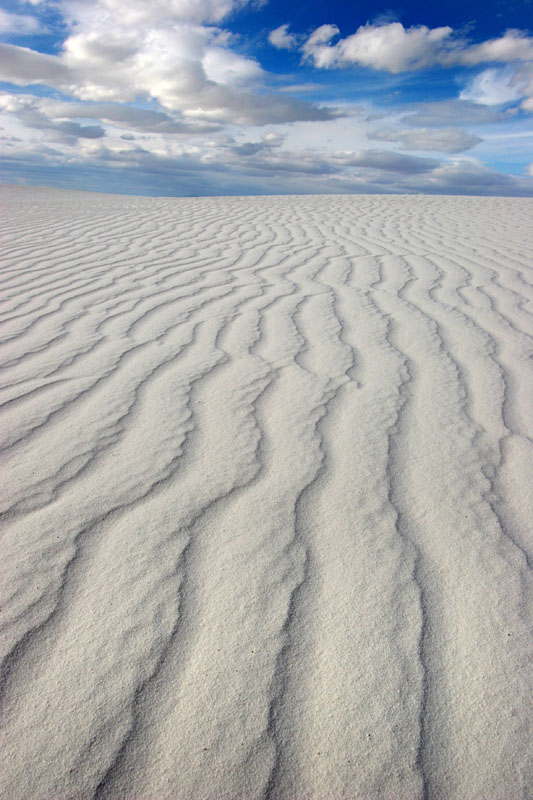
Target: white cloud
x=318, y=49
x=529, y=169
x=388, y=47
x=18, y=24
x=223, y=66
x=393, y=48
x=443, y=140
x=513, y=46
x=493, y=87
x=166, y=50
x=193, y=77
x=282, y=39
x=226, y=168
x=141, y=13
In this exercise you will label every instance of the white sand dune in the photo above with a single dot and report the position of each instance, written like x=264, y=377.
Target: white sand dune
x=267, y=497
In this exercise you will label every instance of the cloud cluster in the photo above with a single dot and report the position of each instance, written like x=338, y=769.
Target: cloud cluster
x=169, y=51
x=161, y=97
x=386, y=47
x=393, y=48
x=257, y=167
x=43, y=113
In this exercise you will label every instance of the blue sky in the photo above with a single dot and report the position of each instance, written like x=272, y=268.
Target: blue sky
x=207, y=97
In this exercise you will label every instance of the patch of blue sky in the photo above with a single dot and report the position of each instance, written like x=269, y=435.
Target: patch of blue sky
x=508, y=150
x=37, y=89
x=359, y=85
x=52, y=28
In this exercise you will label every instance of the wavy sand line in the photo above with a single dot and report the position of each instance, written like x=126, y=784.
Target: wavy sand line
x=266, y=525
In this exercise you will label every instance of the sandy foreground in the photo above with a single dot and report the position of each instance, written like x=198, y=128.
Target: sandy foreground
x=267, y=497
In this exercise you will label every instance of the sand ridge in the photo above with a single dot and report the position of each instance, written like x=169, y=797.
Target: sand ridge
x=267, y=497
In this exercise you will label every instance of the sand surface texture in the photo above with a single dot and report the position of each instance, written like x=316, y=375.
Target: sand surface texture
x=267, y=497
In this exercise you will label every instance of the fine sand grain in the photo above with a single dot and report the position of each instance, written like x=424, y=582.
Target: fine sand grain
x=267, y=497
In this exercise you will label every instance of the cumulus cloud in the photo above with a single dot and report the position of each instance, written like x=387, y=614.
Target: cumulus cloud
x=169, y=51
x=393, y=48
x=223, y=66
x=282, y=39
x=444, y=140
x=142, y=82
x=388, y=47
x=220, y=167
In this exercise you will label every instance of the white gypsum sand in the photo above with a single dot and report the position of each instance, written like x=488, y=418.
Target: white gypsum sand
x=267, y=497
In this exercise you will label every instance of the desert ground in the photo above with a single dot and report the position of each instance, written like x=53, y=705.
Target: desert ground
x=267, y=497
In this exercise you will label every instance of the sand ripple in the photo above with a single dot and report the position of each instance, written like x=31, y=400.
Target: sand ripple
x=267, y=497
